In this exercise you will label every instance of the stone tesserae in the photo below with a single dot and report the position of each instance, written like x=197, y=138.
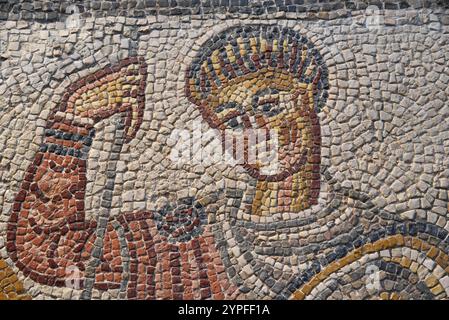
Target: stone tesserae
x=240, y=151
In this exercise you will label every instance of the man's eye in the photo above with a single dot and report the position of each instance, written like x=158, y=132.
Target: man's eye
x=271, y=110
x=231, y=115
x=234, y=123
x=227, y=106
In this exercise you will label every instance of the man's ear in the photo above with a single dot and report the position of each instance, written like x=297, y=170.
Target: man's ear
x=118, y=88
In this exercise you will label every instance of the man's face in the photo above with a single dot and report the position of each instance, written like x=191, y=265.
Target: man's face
x=269, y=99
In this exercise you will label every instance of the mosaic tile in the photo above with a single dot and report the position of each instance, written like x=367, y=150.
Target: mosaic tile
x=11, y=288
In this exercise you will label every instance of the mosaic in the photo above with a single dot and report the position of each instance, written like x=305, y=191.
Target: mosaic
x=353, y=205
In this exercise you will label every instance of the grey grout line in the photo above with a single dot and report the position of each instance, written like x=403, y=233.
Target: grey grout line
x=104, y=213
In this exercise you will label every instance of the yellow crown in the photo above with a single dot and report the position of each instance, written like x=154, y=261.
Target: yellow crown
x=240, y=51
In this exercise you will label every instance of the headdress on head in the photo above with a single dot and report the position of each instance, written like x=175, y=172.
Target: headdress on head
x=243, y=50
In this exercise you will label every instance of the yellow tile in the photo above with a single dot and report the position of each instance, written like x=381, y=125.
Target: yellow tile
x=405, y=262
x=384, y=296
x=431, y=281
x=433, y=252
x=437, y=289
x=394, y=296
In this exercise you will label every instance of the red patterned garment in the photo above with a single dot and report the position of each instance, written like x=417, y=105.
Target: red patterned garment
x=169, y=254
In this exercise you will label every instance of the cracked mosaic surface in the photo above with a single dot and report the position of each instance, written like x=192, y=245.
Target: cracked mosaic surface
x=94, y=207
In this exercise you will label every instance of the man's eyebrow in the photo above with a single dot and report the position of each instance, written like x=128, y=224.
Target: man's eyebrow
x=228, y=105
x=266, y=91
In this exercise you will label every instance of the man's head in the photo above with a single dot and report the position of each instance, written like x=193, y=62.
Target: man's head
x=264, y=77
